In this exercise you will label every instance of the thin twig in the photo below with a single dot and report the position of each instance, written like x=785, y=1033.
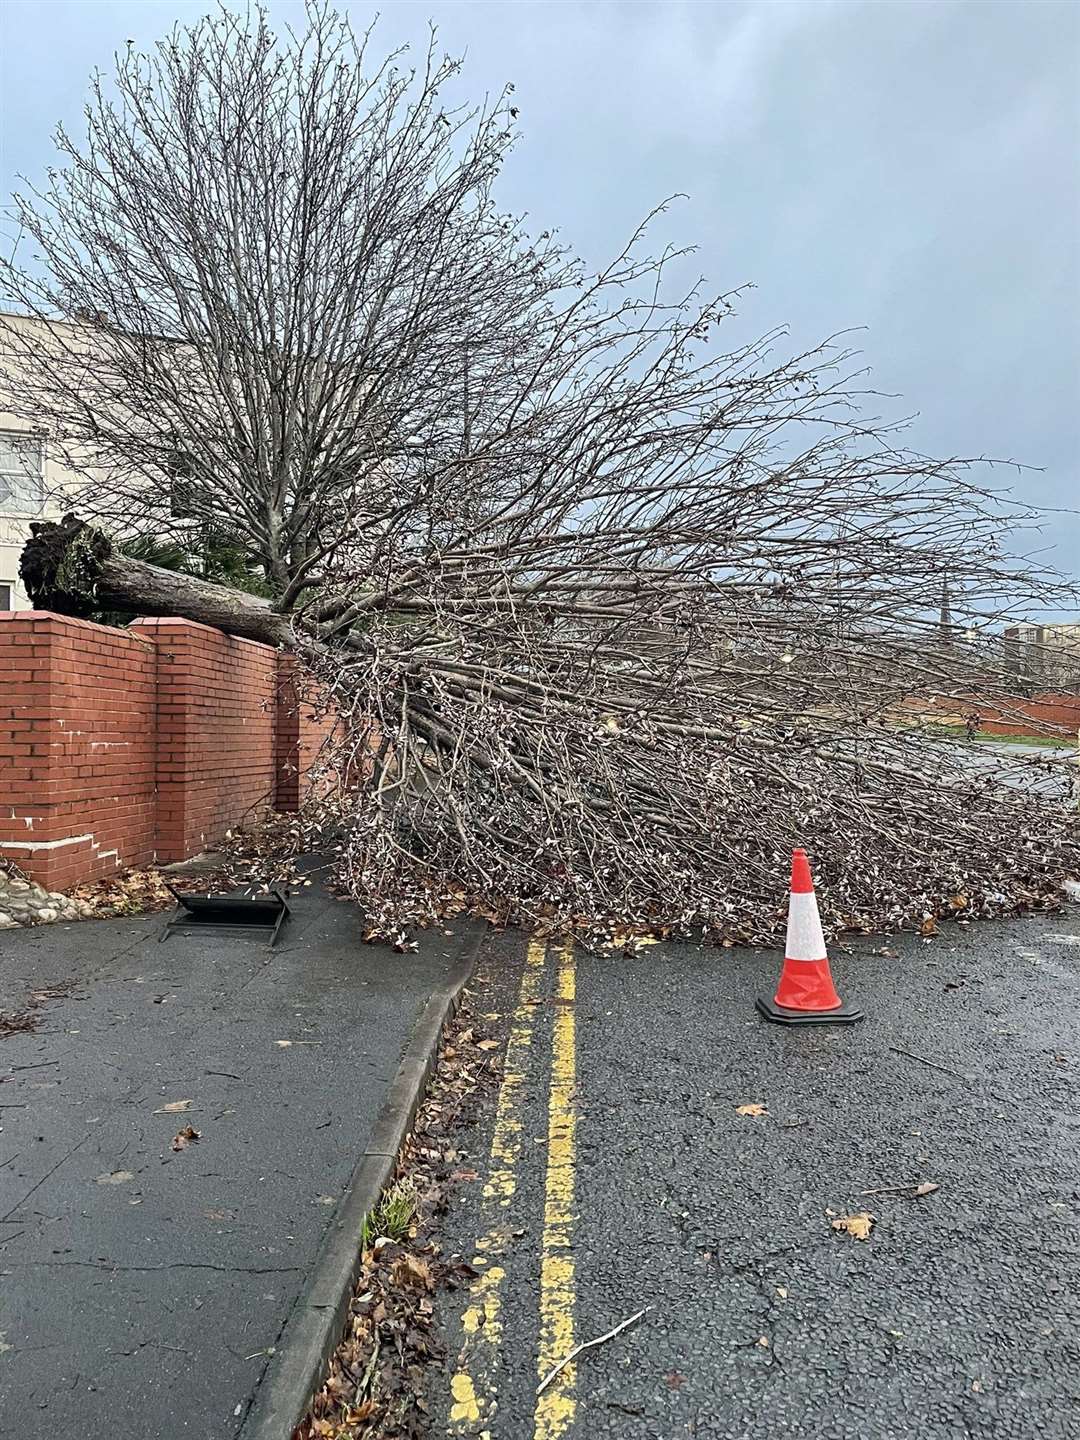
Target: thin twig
x=945, y=1069
x=369, y=1373
x=588, y=1345
x=917, y=1187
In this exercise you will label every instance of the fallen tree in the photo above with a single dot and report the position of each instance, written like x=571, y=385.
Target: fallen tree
x=614, y=615
x=592, y=772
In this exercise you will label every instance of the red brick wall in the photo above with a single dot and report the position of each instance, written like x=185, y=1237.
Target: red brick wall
x=215, y=727
x=122, y=747
x=1042, y=715
x=76, y=748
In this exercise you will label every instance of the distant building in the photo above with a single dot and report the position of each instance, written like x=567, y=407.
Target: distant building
x=33, y=483
x=1044, y=657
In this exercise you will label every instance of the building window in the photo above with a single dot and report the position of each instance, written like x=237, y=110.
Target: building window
x=6, y=591
x=22, y=477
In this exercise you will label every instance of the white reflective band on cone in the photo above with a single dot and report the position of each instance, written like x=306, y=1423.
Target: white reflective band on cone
x=805, y=940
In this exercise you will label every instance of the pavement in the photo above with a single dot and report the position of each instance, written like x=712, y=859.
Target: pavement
x=613, y=1172
x=143, y=1289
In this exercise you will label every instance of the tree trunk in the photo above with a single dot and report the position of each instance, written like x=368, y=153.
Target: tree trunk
x=71, y=568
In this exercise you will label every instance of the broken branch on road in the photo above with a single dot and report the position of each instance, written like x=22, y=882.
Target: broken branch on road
x=933, y=1064
x=589, y=1345
x=914, y=1189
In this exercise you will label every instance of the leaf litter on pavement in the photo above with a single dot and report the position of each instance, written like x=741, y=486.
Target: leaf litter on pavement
x=25, y=1022
x=375, y=1387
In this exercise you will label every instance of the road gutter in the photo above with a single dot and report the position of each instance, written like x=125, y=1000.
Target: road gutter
x=314, y=1326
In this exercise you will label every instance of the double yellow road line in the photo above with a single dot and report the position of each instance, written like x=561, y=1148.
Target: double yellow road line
x=474, y=1385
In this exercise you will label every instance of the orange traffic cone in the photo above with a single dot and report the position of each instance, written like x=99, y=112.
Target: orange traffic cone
x=806, y=994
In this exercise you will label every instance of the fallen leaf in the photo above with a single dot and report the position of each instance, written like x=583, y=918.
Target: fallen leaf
x=782, y=1292
x=673, y=1379
x=463, y=1175
x=927, y=1188
x=763, y=1341
x=183, y=1138
x=174, y=1107
x=754, y=1107
x=487, y=1044
x=324, y=1200
x=928, y=926
x=411, y=1270
x=115, y=1177
x=857, y=1226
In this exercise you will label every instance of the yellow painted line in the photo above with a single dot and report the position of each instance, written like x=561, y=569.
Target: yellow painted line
x=472, y=1387
x=556, y=1407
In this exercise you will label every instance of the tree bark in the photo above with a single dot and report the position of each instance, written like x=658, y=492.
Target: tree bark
x=72, y=568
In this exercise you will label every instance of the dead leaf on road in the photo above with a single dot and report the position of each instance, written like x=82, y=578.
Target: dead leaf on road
x=487, y=1044
x=116, y=1177
x=929, y=926
x=183, y=1138
x=926, y=1188
x=754, y=1107
x=857, y=1226
x=174, y=1107
x=673, y=1379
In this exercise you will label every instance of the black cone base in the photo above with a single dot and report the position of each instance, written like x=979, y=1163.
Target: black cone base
x=846, y=1015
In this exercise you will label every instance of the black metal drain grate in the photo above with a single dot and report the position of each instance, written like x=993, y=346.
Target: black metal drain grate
x=224, y=913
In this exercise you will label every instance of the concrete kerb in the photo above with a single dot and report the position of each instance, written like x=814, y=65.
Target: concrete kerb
x=314, y=1326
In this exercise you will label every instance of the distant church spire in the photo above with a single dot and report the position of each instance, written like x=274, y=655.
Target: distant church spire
x=945, y=625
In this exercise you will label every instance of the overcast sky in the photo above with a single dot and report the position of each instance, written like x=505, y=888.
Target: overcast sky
x=909, y=168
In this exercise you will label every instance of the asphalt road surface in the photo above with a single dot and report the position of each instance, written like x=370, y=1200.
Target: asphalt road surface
x=614, y=1173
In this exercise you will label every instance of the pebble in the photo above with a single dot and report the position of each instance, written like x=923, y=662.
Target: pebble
x=24, y=903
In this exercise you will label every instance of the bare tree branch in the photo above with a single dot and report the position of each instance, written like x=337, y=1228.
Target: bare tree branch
x=615, y=615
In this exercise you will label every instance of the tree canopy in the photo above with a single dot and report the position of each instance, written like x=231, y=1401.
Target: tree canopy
x=614, y=614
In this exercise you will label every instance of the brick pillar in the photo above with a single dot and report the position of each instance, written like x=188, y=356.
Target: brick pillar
x=286, y=736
